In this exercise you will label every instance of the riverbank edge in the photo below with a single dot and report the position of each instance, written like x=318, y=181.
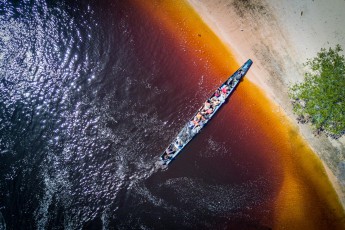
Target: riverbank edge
x=271, y=79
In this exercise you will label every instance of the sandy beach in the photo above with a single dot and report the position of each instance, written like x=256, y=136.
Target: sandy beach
x=279, y=36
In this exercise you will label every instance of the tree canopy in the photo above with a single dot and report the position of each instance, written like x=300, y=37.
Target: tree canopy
x=320, y=98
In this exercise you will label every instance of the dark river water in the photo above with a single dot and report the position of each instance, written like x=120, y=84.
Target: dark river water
x=91, y=93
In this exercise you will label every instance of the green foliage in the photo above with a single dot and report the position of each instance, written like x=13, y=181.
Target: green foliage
x=320, y=99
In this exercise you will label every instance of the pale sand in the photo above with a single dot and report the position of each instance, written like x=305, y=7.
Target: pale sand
x=279, y=36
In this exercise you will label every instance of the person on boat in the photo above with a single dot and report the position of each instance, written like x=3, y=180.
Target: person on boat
x=179, y=142
x=196, y=129
x=195, y=122
x=239, y=75
x=225, y=89
x=207, y=112
x=234, y=82
x=166, y=156
x=191, y=124
x=215, y=101
x=198, y=121
x=204, y=113
x=207, y=105
x=170, y=150
x=199, y=117
x=229, y=81
x=224, y=92
x=222, y=96
x=217, y=93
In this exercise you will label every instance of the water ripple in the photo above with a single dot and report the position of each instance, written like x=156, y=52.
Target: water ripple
x=59, y=114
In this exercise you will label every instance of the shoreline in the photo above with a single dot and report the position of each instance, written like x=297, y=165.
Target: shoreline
x=276, y=44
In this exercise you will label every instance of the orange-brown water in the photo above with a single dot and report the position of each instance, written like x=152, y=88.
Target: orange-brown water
x=302, y=195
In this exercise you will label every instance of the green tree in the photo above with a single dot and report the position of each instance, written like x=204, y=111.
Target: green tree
x=320, y=98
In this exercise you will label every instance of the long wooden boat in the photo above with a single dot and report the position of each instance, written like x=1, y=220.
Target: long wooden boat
x=204, y=114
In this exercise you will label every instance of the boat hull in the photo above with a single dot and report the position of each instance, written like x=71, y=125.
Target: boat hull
x=204, y=114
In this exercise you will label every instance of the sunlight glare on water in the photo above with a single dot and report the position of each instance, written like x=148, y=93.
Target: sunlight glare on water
x=70, y=127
